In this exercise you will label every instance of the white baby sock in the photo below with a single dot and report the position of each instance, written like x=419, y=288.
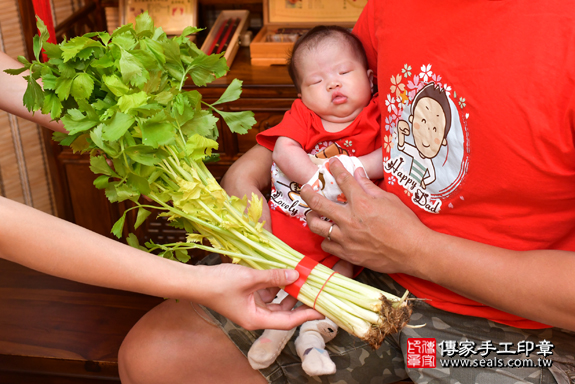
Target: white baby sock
x=269, y=345
x=265, y=350
x=310, y=346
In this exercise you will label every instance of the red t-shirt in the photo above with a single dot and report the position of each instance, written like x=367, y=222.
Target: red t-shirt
x=287, y=209
x=504, y=173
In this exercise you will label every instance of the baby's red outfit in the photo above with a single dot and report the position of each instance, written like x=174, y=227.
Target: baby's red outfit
x=288, y=210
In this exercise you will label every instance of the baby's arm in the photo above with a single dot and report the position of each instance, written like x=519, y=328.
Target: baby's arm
x=373, y=164
x=294, y=162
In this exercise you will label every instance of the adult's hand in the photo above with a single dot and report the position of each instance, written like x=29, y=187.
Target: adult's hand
x=241, y=294
x=378, y=231
x=374, y=229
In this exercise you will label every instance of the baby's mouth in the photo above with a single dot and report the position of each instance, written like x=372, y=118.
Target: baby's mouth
x=338, y=98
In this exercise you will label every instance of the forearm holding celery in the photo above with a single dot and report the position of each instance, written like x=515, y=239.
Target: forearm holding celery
x=60, y=248
x=69, y=251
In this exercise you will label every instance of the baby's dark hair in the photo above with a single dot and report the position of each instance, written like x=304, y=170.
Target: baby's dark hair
x=313, y=37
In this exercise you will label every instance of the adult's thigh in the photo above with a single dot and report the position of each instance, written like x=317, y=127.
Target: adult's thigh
x=175, y=343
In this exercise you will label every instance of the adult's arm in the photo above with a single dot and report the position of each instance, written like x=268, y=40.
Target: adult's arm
x=251, y=174
x=376, y=230
x=11, y=97
x=56, y=247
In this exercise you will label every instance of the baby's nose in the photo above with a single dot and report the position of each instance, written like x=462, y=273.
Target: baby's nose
x=333, y=84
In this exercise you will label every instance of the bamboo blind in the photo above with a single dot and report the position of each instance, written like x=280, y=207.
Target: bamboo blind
x=24, y=172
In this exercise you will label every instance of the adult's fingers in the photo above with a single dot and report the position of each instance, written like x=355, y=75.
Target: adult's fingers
x=365, y=183
x=318, y=225
x=345, y=180
x=274, y=278
x=288, y=319
x=286, y=304
x=320, y=204
x=268, y=294
x=321, y=227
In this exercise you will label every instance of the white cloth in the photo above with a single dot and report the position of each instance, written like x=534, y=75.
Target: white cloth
x=323, y=182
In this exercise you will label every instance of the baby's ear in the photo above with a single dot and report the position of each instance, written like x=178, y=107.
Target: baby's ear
x=370, y=77
x=299, y=95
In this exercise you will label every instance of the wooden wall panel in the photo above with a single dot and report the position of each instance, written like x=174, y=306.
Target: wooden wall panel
x=91, y=207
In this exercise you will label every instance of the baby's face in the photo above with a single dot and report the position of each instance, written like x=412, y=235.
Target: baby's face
x=334, y=82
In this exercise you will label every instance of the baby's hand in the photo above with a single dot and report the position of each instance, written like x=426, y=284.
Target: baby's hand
x=324, y=183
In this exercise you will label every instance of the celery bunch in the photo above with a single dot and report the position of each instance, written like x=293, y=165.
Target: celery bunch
x=120, y=98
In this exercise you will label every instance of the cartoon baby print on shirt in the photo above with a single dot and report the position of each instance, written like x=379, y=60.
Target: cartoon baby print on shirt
x=427, y=146
x=431, y=119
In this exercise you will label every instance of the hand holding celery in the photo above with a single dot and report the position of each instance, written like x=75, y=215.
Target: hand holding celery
x=120, y=97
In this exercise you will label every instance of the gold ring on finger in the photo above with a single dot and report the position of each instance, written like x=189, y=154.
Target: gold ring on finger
x=329, y=232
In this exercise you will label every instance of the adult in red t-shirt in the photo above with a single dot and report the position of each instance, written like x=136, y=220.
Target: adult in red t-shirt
x=490, y=239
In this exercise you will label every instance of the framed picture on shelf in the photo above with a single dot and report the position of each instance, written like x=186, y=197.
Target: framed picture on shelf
x=172, y=15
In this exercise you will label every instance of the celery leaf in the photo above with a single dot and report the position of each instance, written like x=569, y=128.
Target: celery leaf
x=238, y=122
x=232, y=93
x=115, y=128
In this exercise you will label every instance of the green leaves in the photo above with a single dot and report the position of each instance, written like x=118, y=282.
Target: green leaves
x=133, y=71
x=119, y=226
x=120, y=98
x=238, y=122
x=73, y=47
x=156, y=133
x=232, y=93
x=52, y=105
x=198, y=147
x=142, y=216
x=135, y=100
x=203, y=123
x=75, y=121
x=117, y=126
x=34, y=96
x=82, y=86
x=205, y=69
x=144, y=24
x=99, y=165
x=63, y=87
x=145, y=154
x=16, y=71
x=115, y=85
x=38, y=41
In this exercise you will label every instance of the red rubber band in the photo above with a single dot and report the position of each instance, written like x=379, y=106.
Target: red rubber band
x=304, y=267
x=322, y=287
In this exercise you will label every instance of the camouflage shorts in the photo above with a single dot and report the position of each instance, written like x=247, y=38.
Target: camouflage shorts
x=357, y=363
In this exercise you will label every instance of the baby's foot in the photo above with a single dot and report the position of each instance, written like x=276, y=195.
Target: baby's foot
x=310, y=346
x=316, y=362
x=327, y=329
x=267, y=347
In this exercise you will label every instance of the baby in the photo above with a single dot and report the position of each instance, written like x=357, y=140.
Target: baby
x=336, y=115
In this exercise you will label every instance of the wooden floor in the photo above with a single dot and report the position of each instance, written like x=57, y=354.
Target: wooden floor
x=58, y=331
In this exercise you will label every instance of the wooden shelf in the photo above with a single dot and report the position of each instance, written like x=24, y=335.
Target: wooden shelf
x=51, y=327
x=258, y=82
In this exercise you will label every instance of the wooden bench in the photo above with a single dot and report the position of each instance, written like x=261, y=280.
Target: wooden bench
x=57, y=331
